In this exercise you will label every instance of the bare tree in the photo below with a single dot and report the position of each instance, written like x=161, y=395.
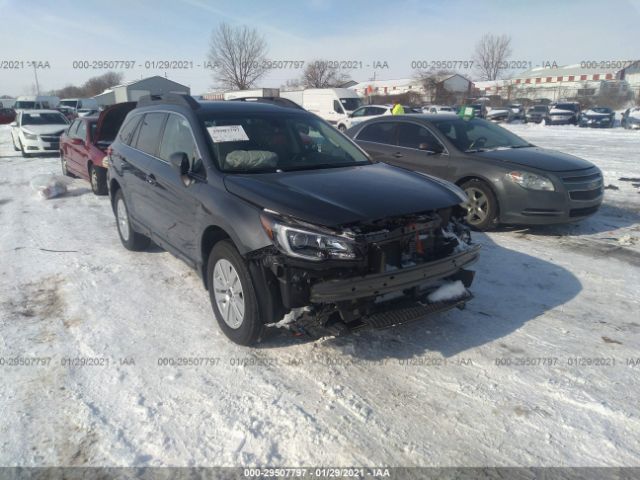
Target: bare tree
x=323, y=74
x=238, y=55
x=491, y=54
x=99, y=84
x=292, y=84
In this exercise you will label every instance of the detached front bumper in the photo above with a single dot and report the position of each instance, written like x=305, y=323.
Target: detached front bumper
x=373, y=285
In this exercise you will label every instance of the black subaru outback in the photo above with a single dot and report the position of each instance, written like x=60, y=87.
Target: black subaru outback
x=286, y=218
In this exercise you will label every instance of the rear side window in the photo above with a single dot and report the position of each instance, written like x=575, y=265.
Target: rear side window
x=411, y=135
x=150, y=132
x=73, y=128
x=383, y=132
x=81, y=133
x=128, y=129
x=177, y=138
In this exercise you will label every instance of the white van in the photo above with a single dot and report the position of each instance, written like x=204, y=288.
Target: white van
x=331, y=104
x=36, y=102
x=79, y=103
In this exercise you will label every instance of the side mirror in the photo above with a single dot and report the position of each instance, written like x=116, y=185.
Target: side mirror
x=180, y=163
x=432, y=149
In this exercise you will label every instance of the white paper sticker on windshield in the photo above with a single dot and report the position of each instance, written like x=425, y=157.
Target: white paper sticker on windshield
x=228, y=133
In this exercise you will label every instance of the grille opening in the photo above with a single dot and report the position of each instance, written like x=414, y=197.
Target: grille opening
x=585, y=194
x=582, y=212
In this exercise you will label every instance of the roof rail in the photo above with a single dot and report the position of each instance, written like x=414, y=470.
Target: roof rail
x=279, y=101
x=169, y=98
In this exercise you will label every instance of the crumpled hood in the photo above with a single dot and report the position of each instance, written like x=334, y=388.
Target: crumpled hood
x=346, y=195
x=536, y=157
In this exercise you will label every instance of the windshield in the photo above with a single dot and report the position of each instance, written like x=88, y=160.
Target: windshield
x=21, y=104
x=566, y=106
x=69, y=103
x=601, y=110
x=350, y=104
x=539, y=108
x=263, y=143
x=43, y=119
x=476, y=135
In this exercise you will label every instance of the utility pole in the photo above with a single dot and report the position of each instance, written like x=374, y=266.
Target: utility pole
x=35, y=73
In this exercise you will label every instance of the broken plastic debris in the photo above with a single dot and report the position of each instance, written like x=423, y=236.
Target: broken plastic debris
x=448, y=291
x=50, y=186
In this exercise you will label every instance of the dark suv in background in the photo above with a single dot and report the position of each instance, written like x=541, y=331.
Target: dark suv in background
x=279, y=212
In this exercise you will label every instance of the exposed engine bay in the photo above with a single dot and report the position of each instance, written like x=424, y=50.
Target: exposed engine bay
x=397, y=262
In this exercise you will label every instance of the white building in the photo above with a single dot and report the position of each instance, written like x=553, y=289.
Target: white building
x=570, y=81
x=438, y=88
x=132, y=91
x=388, y=87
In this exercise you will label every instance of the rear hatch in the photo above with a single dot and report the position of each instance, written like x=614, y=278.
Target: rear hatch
x=109, y=123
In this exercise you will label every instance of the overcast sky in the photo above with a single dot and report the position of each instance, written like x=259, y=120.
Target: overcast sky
x=398, y=32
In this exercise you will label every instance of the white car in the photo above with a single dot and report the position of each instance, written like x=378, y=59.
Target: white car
x=361, y=114
x=439, y=109
x=38, y=131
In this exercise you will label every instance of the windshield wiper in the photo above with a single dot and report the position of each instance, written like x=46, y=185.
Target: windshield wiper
x=321, y=166
x=474, y=150
x=521, y=146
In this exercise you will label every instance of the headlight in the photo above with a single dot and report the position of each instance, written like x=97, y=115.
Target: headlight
x=29, y=136
x=301, y=241
x=531, y=181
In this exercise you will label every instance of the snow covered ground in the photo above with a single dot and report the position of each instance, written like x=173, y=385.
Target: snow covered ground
x=541, y=369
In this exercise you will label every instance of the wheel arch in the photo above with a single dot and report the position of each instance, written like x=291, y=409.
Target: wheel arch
x=210, y=236
x=114, y=186
x=482, y=179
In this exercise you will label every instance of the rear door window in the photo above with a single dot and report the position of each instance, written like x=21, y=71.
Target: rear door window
x=382, y=132
x=129, y=129
x=150, y=132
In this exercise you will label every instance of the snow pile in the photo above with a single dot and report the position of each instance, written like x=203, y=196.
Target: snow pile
x=448, y=291
x=50, y=186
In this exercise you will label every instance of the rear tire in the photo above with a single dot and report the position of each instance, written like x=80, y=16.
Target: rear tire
x=233, y=295
x=131, y=240
x=342, y=128
x=482, y=207
x=63, y=166
x=98, y=179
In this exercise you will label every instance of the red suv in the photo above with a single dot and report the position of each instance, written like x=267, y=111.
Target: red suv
x=84, y=145
x=7, y=115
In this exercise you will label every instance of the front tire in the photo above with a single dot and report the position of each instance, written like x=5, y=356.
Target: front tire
x=98, y=179
x=482, y=208
x=233, y=295
x=131, y=240
x=342, y=128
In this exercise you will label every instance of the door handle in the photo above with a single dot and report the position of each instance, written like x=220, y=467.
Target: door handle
x=151, y=179
x=398, y=155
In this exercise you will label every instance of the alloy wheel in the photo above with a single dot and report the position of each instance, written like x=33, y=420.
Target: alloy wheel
x=228, y=293
x=477, y=206
x=123, y=220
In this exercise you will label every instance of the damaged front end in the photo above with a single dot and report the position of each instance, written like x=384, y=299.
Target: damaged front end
x=370, y=274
